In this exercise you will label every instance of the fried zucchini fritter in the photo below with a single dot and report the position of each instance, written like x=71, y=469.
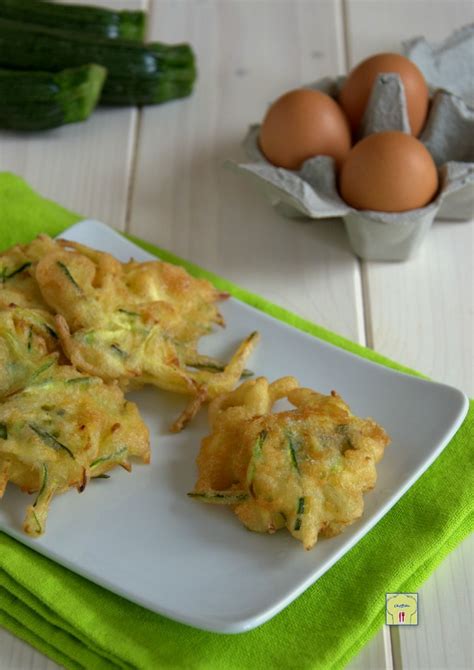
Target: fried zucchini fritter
x=305, y=469
x=137, y=323
x=58, y=428
x=28, y=343
x=134, y=323
x=193, y=299
x=18, y=286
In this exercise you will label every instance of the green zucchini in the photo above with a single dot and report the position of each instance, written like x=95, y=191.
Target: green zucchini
x=137, y=74
x=220, y=497
x=81, y=380
x=23, y=266
x=293, y=445
x=120, y=352
x=41, y=100
x=211, y=365
x=299, y=512
x=256, y=455
x=42, y=369
x=50, y=440
x=44, y=482
x=129, y=25
x=64, y=268
x=115, y=456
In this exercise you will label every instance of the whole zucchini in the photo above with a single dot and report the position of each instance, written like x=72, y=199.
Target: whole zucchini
x=128, y=25
x=41, y=100
x=136, y=73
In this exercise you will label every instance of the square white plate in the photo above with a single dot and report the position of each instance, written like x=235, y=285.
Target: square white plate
x=140, y=536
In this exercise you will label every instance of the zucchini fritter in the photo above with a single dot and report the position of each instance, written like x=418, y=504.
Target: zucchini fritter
x=58, y=428
x=305, y=469
x=18, y=286
x=137, y=323
x=27, y=345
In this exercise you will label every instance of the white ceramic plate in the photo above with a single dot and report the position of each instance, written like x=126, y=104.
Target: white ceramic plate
x=139, y=535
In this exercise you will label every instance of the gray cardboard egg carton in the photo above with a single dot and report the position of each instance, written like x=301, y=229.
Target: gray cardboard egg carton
x=448, y=135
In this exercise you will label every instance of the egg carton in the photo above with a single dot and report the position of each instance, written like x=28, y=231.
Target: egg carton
x=448, y=135
x=447, y=65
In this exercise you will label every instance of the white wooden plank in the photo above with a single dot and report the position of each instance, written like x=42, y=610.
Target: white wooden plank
x=382, y=25
x=17, y=655
x=421, y=312
x=84, y=166
x=376, y=655
x=248, y=53
x=429, y=328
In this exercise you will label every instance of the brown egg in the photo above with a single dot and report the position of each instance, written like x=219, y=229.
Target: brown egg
x=302, y=124
x=357, y=88
x=388, y=172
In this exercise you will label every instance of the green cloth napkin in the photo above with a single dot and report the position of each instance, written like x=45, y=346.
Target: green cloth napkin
x=81, y=625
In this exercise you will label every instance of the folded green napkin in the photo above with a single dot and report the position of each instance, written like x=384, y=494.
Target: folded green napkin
x=81, y=625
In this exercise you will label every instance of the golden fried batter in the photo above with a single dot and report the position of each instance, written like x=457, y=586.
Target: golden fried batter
x=137, y=323
x=18, y=286
x=27, y=343
x=58, y=428
x=193, y=299
x=305, y=468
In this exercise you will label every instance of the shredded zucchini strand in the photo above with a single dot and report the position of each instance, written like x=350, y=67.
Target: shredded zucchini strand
x=50, y=440
x=68, y=274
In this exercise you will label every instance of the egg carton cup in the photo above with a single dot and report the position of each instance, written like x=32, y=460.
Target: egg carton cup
x=312, y=191
x=447, y=65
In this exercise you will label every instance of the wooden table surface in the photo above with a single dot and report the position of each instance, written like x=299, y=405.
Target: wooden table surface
x=158, y=173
